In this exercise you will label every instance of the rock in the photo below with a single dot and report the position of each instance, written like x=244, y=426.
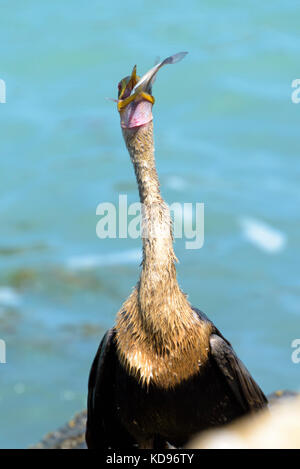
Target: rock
x=276, y=396
x=70, y=436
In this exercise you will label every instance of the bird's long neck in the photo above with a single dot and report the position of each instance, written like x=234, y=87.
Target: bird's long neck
x=158, y=287
x=159, y=337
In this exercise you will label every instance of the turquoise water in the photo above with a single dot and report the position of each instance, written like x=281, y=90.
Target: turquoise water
x=227, y=134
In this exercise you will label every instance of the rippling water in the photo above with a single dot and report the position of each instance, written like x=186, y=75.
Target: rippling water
x=227, y=134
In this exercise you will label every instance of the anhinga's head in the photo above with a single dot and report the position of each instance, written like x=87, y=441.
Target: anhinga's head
x=135, y=98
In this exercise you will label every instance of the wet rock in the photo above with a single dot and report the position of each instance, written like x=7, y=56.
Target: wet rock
x=70, y=436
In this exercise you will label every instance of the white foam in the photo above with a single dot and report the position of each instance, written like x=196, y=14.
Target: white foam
x=262, y=235
x=9, y=297
x=92, y=261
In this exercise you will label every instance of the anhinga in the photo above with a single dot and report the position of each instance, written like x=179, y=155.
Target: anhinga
x=164, y=371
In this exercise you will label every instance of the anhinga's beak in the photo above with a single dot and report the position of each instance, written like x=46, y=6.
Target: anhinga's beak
x=135, y=98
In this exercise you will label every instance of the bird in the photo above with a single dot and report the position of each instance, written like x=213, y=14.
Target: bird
x=163, y=372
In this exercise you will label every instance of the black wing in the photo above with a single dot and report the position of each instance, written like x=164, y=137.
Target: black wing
x=245, y=389
x=103, y=431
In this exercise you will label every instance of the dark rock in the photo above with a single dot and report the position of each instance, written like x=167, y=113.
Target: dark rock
x=70, y=436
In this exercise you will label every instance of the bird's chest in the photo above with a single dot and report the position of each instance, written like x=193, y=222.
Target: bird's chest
x=167, y=362
x=175, y=413
x=164, y=370
x=147, y=410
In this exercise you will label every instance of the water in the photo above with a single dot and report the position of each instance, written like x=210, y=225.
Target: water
x=226, y=134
